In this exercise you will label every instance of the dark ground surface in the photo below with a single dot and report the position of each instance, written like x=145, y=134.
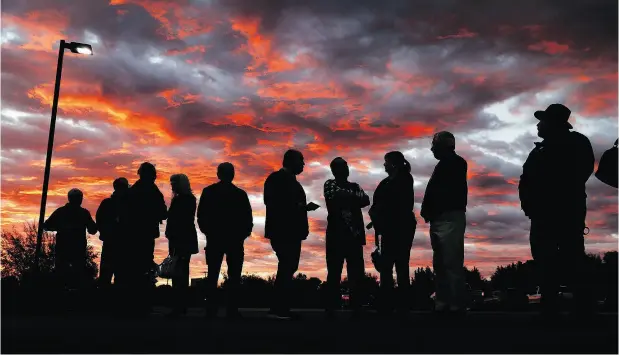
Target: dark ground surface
x=478, y=332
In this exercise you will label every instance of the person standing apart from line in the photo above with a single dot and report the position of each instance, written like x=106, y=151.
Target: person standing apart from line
x=552, y=195
x=394, y=221
x=71, y=222
x=286, y=226
x=345, y=235
x=444, y=207
x=112, y=224
x=225, y=218
x=182, y=237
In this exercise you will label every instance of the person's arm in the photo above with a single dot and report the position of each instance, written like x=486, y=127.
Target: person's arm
x=588, y=159
x=204, y=211
x=247, y=215
x=524, y=187
x=91, y=226
x=172, y=220
x=332, y=191
x=102, y=217
x=162, y=209
x=275, y=195
x=406, y=196
x=329, y=190
x=190, y=218
x=375, y=211
x=362, y=198
x=52, y=222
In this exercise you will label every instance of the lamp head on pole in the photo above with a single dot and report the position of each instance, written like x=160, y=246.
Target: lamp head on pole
x=80, y=48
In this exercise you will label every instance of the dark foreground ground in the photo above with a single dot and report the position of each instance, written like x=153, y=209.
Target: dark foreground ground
x=422, y=333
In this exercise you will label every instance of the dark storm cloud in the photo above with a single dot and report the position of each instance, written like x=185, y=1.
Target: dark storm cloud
x=590, y=24
x=135, y=25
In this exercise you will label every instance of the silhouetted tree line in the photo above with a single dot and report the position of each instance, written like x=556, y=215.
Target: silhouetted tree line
x=17, y=256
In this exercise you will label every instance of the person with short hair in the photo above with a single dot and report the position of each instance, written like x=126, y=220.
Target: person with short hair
x=286, y=226
x=444, y=207
x=112, y=224
x=147, y=211
x=71, y=222
x=345, y=236
x=225, y=218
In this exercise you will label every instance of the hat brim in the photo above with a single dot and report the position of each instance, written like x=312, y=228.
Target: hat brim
x=542, y=115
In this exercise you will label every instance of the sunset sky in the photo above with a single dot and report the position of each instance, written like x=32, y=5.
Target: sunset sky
x=189, y=84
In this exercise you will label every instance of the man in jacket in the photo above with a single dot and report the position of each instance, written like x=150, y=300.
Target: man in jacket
x=147, y=210
x=112, y=224
x=444, y=207
x=345, y=234
x=552, y=195
x=286, y=226
x=71, y=222
x=225, y=217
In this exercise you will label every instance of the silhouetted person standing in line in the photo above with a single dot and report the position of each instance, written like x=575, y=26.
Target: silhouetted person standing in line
x=345, y=234
x=112, y=224
x=394, y=221
x=286, y=226
x=552, y=195
x=71, y=222
x=224, y=216
x=182, y=237
x=147, y=210
x=444, y=207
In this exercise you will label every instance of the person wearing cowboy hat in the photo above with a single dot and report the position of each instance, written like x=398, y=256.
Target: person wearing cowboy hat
x=552, y=195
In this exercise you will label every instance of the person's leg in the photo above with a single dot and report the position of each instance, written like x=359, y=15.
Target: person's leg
x=453, y=259
x=335, y=262
x=573, y=260
x=402, y=262
x=106, y=271
x=440, y=280
x=545, y=254
x=235, y=255
x=288, y=255
x=180, y=283
x=214, y=257
x=355, y=269
x=388, y=253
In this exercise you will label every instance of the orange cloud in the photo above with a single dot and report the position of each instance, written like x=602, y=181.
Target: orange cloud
x=152, y=126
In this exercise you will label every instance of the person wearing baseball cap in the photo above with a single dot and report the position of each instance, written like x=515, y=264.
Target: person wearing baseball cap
x=552, y=195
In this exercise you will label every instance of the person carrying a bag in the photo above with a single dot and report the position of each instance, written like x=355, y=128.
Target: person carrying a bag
x=182, y=237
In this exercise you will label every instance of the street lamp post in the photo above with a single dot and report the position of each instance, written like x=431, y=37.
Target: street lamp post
x=74, y=47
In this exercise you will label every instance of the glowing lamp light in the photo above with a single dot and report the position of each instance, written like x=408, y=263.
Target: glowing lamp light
x=79, y=48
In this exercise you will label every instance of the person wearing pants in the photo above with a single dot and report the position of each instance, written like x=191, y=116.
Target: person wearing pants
x=394, y=221
x=225, y=217
x=71, y=222
x=286, y=226
x=345, y=235
x=444, y=207
x=182, y=237
x=552, y=194
x=111, y=220
x=146, y=212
